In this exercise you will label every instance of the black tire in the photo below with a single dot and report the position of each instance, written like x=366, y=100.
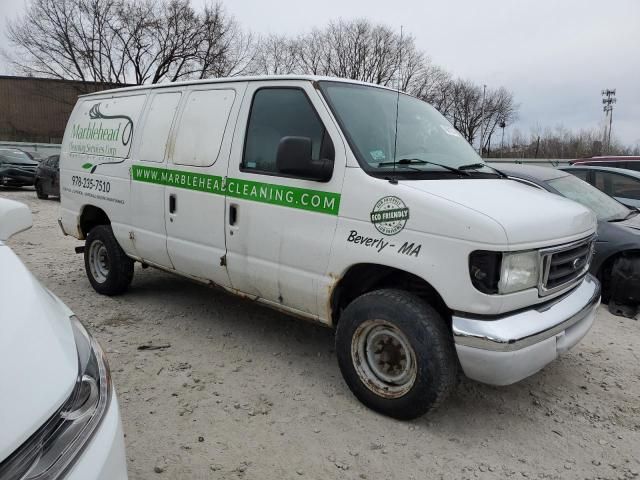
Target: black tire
x=39, y=192
x=112, y=270
x=623, y=286
x=436, y=365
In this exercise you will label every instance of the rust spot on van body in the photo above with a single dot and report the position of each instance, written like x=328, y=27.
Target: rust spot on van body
x=330, y=291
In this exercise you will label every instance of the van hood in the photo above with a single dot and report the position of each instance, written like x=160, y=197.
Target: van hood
x=38, y=359
x=526, y=214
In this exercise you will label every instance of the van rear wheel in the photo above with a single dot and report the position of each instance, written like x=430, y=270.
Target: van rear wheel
x=396, y=353
x=108, y=268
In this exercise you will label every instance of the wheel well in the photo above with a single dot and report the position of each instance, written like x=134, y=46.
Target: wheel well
x=604, y=273
x=92, y=216
x=366, y=277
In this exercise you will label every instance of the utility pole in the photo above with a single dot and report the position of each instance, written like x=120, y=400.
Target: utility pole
x=608, y=99
x=502, y=125
x=484, y=91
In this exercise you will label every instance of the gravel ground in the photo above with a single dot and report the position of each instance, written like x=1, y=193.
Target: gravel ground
x=240, y=391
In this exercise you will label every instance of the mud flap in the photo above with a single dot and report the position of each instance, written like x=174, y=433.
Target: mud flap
x=625, y=286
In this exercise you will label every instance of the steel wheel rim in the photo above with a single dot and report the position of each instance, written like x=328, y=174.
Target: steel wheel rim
x=98, y=261
x=384, y=358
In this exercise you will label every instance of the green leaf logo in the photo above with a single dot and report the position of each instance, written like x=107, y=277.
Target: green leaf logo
x=87, y=166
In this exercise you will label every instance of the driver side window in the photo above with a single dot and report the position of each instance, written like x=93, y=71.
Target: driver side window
x=277, y=113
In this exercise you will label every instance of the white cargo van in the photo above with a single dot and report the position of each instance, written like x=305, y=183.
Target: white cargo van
x=341, y=202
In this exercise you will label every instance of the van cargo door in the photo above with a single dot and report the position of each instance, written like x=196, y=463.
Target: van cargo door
x=194, y=199
x=148, y=172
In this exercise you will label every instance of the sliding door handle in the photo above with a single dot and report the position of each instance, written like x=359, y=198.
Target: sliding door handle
x=233, y=214
x=173, y=203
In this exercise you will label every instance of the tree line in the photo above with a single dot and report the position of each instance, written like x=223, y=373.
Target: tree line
x=558, y=143
x=134, y=42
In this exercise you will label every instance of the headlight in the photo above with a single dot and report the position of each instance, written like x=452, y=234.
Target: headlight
x=519, y=271
x=49, y=452
x=495, y=272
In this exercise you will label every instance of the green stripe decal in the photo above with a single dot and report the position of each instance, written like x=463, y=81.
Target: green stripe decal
x=301, y=198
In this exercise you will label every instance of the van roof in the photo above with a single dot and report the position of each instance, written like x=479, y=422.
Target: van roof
x=258, y=78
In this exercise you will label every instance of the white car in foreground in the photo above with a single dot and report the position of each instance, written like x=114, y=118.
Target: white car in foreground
x=59, y=417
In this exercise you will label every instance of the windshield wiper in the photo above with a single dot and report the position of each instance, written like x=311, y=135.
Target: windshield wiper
x=417, y=161
x=631, y=214
x=472, y=166
x=475, y=166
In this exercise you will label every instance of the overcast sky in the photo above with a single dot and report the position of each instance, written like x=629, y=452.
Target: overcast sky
x=554, y=55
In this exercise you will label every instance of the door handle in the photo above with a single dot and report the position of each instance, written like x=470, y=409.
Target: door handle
x=233, y=214
x=172, y=203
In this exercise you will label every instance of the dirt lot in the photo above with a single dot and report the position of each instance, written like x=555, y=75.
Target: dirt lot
x=245, y=392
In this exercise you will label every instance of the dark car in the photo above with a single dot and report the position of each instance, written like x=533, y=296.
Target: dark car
x=619, y=183
x=17, y=169
x=616, y=261
x=48, y=177
x=628, y=162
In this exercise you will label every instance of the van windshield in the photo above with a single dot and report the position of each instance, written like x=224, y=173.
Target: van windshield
x=367, y=116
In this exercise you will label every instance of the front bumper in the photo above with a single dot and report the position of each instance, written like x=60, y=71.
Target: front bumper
x=104, y=456
x=13, y=177
x=17, y=181
x=505, y=350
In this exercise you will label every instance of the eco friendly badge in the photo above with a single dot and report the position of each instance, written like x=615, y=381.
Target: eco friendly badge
x=389, y=215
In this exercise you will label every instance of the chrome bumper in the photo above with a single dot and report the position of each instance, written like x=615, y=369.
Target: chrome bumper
x=510, y=348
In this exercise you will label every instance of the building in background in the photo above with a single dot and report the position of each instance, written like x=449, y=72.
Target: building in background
x=37, y=109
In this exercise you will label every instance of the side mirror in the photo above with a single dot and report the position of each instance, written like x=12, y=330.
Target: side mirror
x=15, y=217
x=294, y=158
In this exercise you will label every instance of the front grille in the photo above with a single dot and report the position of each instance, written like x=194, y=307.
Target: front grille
x=563, y=266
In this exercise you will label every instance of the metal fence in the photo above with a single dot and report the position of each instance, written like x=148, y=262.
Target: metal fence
x=543, y=162
x=38, y=149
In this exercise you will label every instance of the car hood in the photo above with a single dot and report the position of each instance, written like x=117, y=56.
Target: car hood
x=28, y=164
x=38, y=359
x=22, y=167
x=527, y=215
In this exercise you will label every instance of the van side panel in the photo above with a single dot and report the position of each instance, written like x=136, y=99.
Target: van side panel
x=148, y=214
x=94, y=161
x=196, y=167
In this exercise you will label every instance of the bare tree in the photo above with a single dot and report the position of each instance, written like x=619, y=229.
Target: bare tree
x=127, y=41
x=361, y=51
x=133, y=39
x=560, y=142
x=499, y=107
x=225, y=49
x=312, y=53
x=64, y=39
x=276, y=55
x=432, y=84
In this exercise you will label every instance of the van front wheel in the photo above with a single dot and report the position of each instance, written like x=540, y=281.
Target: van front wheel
x=396, y=353
x=108, y=268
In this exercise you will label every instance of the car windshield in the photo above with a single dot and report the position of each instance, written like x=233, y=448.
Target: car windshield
x=15, y=156
x=425, y=138
x=605, y=207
